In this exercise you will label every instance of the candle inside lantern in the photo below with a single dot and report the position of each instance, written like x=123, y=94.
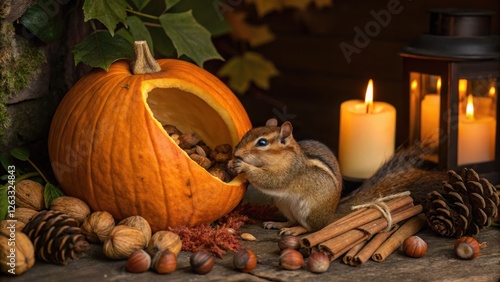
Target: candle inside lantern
x=429, y=117
x=476, y=137
x=367, y=135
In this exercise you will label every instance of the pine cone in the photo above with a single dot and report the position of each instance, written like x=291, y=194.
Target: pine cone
x=55, y=236
x=467, y=204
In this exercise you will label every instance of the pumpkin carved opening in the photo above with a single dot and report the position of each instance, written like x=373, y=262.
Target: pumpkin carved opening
x=189, y=113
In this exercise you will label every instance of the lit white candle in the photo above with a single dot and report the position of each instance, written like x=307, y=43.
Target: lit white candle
x=476, y=137
x=367, y=135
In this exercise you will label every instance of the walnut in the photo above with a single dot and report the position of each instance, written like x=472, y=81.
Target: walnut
x=123, y=240
x=29, y=194
x=97, y=226
x=73, y=207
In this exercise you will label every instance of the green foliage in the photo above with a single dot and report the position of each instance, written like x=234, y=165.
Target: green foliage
x=110, y=12
x=13, y=172
x=189, y=37
x=50, y=192
x=42, y=25
x=177, y=31
x=100, y=49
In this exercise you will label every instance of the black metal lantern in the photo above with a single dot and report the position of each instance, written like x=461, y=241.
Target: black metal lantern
x=452, y=75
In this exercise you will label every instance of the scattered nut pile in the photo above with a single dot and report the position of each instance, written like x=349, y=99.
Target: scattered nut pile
x=215, y=160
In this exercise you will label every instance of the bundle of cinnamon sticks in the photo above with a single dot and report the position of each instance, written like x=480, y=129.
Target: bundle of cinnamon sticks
x=362, y=234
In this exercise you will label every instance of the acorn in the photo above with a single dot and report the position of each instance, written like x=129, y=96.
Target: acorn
x=202, y=262
x=289, y=242
x=467, y=247
x=164, y=262
x=414, y=247
x=291, y=259
x=318, y=262
x=139, y=261
x=244, y=260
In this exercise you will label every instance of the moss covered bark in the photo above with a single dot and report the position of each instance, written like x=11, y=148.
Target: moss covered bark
x=19, y=63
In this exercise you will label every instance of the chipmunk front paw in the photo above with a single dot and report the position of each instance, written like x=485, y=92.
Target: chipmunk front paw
x=295, y=231
x=276, y=225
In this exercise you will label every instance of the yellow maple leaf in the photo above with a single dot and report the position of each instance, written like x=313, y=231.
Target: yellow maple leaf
x=323, y=3
x=249, y=68
x=264, y=7
x=255, y=35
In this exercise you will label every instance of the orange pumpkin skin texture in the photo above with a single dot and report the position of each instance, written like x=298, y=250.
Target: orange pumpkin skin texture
x=107, y=145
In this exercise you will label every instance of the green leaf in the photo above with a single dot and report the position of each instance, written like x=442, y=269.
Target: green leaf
x=139, y=31
x=207, y=13
x=47, y=28
x=21, y=154
x=163, y=45
x=100, y=50
x=109, y=12
x=243, y=70
x=189, y=37
x=50, y=193
x=171, y=3
x=5, y=160
x=123, y=32
x=140, y=4
x=4, y=202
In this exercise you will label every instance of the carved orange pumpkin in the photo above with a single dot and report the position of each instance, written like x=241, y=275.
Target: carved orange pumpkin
x=107, y=145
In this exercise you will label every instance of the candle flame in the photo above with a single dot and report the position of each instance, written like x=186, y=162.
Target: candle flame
x=492, y=91
x=438, y=85
x=469, y=111
x=462, y=86
x=414, y=85
x=369, y=96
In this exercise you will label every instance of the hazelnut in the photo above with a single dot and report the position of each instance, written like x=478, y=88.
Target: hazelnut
x=291, y=259
x=202, y=262
x=23, y=250
x=24, y=215
x=96, y=226
x=140, y=223
x=318, y=262
x=289, y=242
x=139, y=261
x=29, y=194
x=244, y=260
x=467, y=247
x=164, y=262
x=73, y=207
x=414, y=247
x=164, y=241
x=123, y=241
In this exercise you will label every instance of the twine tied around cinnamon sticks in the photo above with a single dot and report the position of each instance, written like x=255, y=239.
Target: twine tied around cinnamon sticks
x=355, y=230
x=380, y=205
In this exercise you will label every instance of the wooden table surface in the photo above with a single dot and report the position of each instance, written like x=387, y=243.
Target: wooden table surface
x=439, y=264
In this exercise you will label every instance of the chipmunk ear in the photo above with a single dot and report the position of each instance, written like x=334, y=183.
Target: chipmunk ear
x=272, y=122
x=286, y=132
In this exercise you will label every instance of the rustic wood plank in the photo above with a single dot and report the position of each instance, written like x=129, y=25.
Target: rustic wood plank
x=438, y=264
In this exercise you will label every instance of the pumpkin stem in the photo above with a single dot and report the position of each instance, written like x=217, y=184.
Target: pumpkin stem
x=144, y=61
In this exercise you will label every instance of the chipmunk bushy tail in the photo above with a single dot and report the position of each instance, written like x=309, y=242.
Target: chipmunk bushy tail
x=405, y=171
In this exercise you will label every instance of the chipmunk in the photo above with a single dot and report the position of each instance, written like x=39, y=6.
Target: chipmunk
x=303, y=178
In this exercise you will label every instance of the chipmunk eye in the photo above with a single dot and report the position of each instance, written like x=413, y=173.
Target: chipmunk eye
x=262, y=142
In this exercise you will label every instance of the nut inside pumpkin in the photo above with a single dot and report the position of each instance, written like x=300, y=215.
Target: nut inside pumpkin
x=189, y=113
